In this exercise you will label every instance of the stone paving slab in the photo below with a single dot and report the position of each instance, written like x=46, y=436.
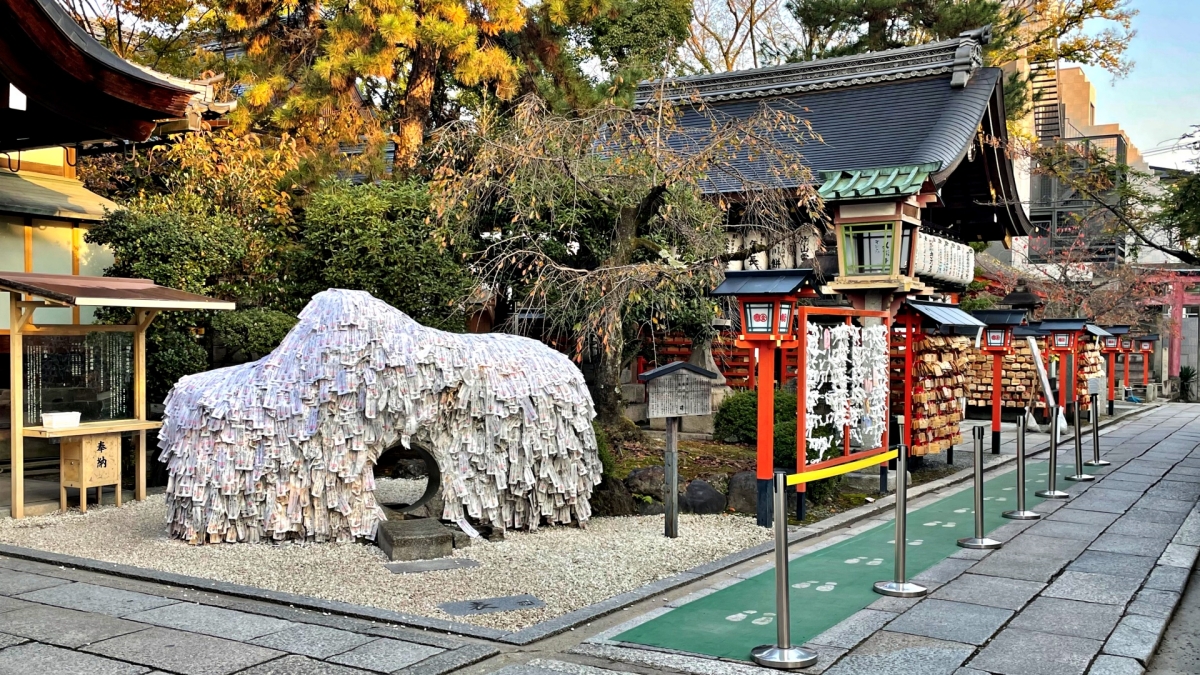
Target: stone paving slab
x=385, y=655
x=1168, y=578
x=64, y=627
x=1116, y=564
x=952, y=621
x=9, y=604
x=1022, y=652
x=1068, y=617
x=889, y=653
x=299, y=665
x=1105, y=501
x=1150, y=602
x=182, y=652
x=1071, y=515
x=34, y=657
x=100, y=599
x=1088, y=587
x=1106, y=664
x=1136, y=637
x=1165, y=504
x=1139, y=514
x=15, y=583
x=1065, y=530
x=208, y=620
x=1178, y=555
x=1143, y=529
x=309, y=640
x=1123, y=543
x=990, y=591
x=1016, y=566
x=853, y=630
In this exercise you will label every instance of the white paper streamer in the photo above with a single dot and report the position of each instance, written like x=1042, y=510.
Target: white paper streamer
x=285, y=447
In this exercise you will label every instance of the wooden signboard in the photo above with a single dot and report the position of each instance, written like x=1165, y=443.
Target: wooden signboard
x=89, y=461
x=679, y=394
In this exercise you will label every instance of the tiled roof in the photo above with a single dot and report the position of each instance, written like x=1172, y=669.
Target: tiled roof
x=867, y=183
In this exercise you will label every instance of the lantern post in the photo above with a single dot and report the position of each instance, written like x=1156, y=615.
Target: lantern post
x=766, y=311
x=997, y=341
x=1126, y=350
x=1110, y=347
x=1146, y=347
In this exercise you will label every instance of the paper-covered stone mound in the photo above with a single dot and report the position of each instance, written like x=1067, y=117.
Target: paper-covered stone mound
x=285, y=447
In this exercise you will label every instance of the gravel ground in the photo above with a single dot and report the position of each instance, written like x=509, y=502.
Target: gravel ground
x=566, y=567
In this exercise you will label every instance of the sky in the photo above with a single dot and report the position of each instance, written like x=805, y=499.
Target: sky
x=1160, y=99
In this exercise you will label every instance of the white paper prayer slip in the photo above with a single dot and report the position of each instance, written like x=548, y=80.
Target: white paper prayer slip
x=285, y=447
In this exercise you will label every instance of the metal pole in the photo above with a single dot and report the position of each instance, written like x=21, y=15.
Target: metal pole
x=978, y=541
x=1052, y=491
x=1096, y=461
x=898, y=587
x=671, y=488
x=1080, y=476
x=1021, y=513
x=782, y=655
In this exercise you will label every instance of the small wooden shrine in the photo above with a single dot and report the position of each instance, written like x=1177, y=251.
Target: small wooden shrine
x=97, y=371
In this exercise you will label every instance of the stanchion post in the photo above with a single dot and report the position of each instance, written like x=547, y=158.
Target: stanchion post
x=782, y=655
x=978, y=541
x=1079, y=476
x=1096, y=461
x=1021, y=513
x=671, y=484
x=899, y=586
x=1052, y=491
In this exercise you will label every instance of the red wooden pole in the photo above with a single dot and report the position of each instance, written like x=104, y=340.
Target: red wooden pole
x=765, y=467
x=1126, y=380
x=801, y=404
x=1146, y=368
x=997, y=375
x=908, y=379
x=1112, y=377
x=752, y=383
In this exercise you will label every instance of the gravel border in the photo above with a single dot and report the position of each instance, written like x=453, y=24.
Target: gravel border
x=549, y=627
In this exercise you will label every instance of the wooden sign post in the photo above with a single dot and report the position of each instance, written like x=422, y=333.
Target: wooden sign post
x=673, y=391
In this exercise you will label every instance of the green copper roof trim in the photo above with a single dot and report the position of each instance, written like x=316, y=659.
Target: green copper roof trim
x=894, y=181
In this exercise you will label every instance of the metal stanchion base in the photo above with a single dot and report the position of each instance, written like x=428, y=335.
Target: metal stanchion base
x=1052, y=494
x=979, y=542
x=1097, y=462
x=789, y=658
x=900, y=589
x=1021, y=515
x=1081, y=478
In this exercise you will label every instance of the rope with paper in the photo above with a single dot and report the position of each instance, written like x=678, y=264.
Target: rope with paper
x=285, y=447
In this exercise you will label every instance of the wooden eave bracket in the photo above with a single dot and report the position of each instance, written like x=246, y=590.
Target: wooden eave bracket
x=143, y=318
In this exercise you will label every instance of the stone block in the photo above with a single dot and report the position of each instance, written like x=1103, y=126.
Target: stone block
x=299, y=665
x=1131, y=640
x=38, y=658
x=387, y=656
x=743, y=492
x=1022, y=652
x=1165, y=504
x=944, y=571
x=1068, y=617
x=701, y=497
x=1139, y=514
x=854, y=629
x=1116, y=564
x=414, y=539
x=316, y=641
x=696, y=424
x=181, y=652
x=953, y=621
x=9, y=604
x=209, y=620
x=64, y=627
x=979, y=589
x=1064, y=530
x=633, y=392
x=1087, y=587
x=1189, y=532
x=1115, y=665
x=1141, y=528
x=1029, y=544
x=889, y=653
x=16, y=583
x=1017, y=566
x=100, y=599
x=1168, y=578
x=1123, y=543
x=1173, y=489
x=1178, y=555
x=1155, y=603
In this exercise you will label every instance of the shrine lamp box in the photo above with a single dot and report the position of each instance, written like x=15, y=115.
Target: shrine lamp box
x=678, y=390
x=91, y=461
x=1097, y=385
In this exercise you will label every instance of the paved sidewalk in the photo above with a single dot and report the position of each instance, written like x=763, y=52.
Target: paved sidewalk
x=1089, y=588
x=59, y=621
x=1179, y=653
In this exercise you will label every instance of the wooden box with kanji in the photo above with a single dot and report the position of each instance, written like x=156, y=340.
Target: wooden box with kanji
x=90, y=461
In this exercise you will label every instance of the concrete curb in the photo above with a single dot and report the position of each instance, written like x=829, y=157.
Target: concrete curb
x=547, y=628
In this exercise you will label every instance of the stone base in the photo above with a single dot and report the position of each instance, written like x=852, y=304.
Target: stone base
x=696, y=424
x=414, y=539
x=868, y=481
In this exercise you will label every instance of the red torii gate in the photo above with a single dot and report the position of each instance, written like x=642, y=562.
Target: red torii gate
x=1177, y=297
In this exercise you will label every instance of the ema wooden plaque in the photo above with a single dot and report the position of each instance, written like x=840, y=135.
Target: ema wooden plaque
x=679, y=394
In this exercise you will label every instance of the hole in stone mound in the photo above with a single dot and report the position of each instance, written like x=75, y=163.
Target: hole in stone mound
x=406, y=478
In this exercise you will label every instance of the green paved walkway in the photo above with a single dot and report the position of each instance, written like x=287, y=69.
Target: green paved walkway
x=832, y=583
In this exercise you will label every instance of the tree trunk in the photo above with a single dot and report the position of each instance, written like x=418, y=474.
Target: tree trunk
x=418, y=98
x=606, y=387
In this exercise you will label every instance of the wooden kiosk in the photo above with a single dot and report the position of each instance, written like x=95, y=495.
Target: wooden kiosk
x=88, y=458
